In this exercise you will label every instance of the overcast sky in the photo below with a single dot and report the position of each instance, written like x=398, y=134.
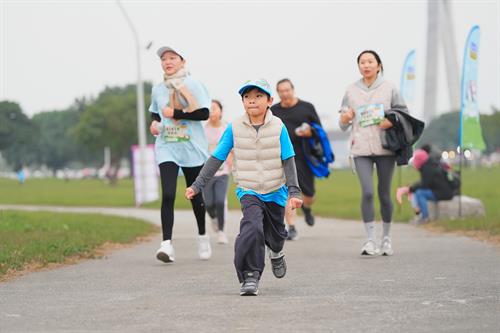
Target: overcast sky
x=55, y=51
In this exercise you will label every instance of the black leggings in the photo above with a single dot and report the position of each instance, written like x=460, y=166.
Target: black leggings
x=168, y=173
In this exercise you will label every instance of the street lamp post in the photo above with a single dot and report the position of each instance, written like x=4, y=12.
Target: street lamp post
x=141, y=121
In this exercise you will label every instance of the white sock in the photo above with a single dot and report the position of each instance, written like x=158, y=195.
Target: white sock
x=275, y=255
x=370, y=230
x=387, y=228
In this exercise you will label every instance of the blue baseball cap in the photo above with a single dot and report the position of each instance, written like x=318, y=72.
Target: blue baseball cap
x=261, y=84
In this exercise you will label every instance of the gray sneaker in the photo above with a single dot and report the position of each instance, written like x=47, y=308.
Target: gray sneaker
x=250, y=286
x=308, y=216
x=418, y=219
x=292, y=233
x=278, y=263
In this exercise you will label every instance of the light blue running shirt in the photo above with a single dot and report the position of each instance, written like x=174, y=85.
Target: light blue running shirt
x=187, y=145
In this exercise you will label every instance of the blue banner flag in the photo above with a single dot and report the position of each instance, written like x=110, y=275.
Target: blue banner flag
x=470, y=134
x=407, y=87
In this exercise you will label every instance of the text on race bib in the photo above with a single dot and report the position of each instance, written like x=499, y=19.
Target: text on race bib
x=176, y=133
x=370, y=114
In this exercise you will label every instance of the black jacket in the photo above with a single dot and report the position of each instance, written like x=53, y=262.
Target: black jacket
x=434, y=177
x=406, y=130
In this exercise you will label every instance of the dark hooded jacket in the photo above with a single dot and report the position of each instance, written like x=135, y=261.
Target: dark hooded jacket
x=406, y=130
x=434, y=177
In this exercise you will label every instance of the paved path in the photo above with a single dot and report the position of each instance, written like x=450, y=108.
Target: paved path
x=433, y=283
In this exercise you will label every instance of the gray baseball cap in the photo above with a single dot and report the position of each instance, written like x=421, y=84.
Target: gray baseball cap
x=164, y=49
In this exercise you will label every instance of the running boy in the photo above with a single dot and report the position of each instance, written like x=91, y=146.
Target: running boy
x=265, y=176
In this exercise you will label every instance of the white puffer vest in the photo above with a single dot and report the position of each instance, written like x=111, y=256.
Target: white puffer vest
x=257, y=154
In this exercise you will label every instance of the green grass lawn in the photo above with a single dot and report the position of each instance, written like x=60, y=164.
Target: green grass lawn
x=89, y=192
x=337, y=196
x=41, y=238
x=485, y=185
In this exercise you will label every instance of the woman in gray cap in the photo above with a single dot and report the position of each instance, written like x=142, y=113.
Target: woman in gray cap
x=178, y=105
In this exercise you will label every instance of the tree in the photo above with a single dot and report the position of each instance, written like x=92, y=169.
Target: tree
x=77, y=134
x=17, y=135
x=56, y=147
x=110, y=121
x=12, y=119
x=490, y=125
x=442, y=132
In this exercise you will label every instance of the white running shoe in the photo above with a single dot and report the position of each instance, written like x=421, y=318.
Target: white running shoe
x=386, y=248
x=222, y=238
x=370, y=249
x=166, y=252
x=204, y=249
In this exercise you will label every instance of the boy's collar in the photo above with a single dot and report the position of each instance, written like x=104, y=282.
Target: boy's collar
x=267, y=118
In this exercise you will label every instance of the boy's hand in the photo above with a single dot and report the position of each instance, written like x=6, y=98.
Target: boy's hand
x=189, y=193
x=295, y=203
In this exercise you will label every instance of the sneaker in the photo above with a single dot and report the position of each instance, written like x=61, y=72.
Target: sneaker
x=308, y=216
x=370, y=249
x=250, y=286
x=204, y=249
x=292, y=233
x=386, y=248
x=418, y=219
x=166, y=252
x=278, y=263
x=222, y=238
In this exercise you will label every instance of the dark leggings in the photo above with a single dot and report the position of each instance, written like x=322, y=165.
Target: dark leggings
x=385, y=169
x=168, y=173
x=214, y=194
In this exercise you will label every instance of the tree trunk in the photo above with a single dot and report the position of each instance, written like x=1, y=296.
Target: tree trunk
x=113, y=171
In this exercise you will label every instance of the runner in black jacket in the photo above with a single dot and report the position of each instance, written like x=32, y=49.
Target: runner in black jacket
x=294, y=112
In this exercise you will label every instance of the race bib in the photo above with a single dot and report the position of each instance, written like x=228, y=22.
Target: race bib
x=370, y=114
x=176, y=133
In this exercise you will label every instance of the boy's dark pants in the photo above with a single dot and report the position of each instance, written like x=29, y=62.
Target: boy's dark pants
x=262, y=224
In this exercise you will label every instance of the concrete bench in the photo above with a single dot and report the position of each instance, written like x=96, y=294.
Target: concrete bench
x=471, y=207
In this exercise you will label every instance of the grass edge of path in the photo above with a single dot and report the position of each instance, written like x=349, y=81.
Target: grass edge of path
x=99, y=251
